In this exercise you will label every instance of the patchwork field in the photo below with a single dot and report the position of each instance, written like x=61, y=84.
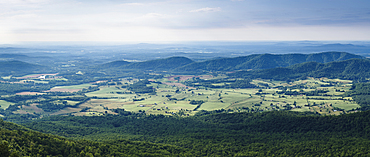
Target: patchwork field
x=318, y=95
x=173, y=97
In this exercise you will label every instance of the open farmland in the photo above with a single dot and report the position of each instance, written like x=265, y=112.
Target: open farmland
x=187, y=95
x=172, y=98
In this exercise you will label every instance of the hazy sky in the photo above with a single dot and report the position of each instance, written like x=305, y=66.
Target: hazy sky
x=183, y=20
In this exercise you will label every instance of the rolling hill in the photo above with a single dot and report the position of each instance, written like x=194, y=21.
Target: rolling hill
x=17, y=140
x=353, y=69
x=275, y=133
x=265, y=61
x=256, y=61
x=158, y=64
x=15, y=67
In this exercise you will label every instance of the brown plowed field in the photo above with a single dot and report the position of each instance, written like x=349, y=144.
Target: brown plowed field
x=36, y=76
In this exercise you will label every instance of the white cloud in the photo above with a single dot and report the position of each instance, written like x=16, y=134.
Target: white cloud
x=207, y=9
x=22, y=4
x=154, y=15
x=179, y=20
x=132, y=4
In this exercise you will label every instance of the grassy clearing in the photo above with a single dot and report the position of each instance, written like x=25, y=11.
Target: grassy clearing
x=44, y=82
x=4, y=104
x=346, y=105
x=30, y=109
x=301, y=109
x=61, y=79
x=94, y=114
x=29, y=75
x=209, y=106
x=67, y=110
x=81, y=86
x=6, y=77
x=109, y=92
x=151, y=100
x=135, y=108
x=176, y=105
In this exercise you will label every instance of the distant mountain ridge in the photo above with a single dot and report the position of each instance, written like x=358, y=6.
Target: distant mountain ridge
x=266, y=61
x=353, y=69
x=6, y=55
x=19, y=67
x=256, y=61
x=158, y=64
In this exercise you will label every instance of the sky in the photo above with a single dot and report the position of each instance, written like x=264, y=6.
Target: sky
x=183, y=20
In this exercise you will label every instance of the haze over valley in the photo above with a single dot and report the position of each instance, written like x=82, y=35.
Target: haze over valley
x=184, y=78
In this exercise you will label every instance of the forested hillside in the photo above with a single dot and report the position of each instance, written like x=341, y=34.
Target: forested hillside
x=265, y=61
x=19, y=141
x=258, y=61
x=227, y=134
x=352, y=69
x=19, y=68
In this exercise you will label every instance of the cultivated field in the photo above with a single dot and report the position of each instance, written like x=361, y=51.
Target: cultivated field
x=172, y=96
x=168, y=101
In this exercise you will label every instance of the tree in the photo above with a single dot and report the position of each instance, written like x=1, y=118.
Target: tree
x=4, y=149
x=177, y=79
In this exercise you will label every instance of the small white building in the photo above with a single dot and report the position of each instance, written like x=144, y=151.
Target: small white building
x=42, y=77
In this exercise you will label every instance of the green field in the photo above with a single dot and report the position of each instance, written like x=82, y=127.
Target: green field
x=172, y=97
x=29, y=75
x=108, y=92
x=4, y=104
x=6, y=77
x=167, y=101
x=45, y=82
x=75, y=86
x=61, y=79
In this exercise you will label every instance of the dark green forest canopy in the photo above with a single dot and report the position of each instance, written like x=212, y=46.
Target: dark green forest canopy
x=19, y=141
x=159, y=125
x=227, y=134
x=141, y=87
